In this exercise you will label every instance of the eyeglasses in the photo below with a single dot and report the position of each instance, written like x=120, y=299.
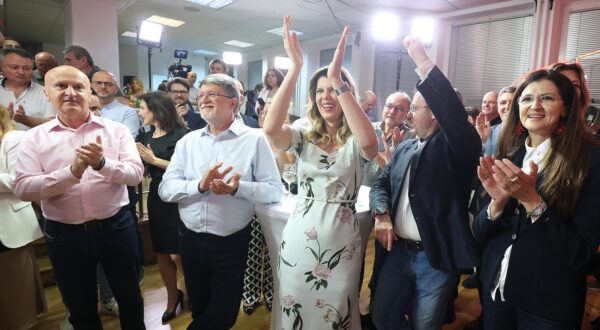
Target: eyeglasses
x=546, y=100
x=212, y=96
x=178, y=92
x=103, y=83
x=413, y=108
x=395, y=107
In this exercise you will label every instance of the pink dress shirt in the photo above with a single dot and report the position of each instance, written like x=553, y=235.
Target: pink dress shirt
x=43, y=170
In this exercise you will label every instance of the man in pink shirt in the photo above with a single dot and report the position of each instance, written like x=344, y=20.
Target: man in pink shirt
x=78, y=166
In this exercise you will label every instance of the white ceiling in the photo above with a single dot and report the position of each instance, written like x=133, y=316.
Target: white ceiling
x=206, y=28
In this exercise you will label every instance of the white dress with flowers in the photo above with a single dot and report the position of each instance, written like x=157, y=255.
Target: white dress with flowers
x=320, y=252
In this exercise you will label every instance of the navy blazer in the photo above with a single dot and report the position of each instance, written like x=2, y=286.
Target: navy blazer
x=440, y=183
x=550, y=258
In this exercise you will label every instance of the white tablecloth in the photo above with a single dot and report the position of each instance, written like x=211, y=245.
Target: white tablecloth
x=272, y=219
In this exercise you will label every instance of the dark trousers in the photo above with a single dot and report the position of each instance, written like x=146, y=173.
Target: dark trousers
x=133, y=199
x=75, y=251
x=504, y=316
x=213, y=267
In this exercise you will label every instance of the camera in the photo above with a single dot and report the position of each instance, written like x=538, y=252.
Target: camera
x=177, y=69
x=180, y=53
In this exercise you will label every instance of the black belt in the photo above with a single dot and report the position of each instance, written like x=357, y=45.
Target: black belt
x=95, y=224
x=414, y=245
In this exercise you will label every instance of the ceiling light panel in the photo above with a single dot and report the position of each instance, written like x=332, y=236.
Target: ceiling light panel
x=279, y=31
x=238, y=43
x=205, y=52
x=165, y=21
x=215, y=4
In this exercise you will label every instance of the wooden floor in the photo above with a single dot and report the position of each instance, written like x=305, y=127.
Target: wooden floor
x=467, y=306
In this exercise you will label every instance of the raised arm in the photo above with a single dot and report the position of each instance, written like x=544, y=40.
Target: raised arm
x=357, y=120
x=279, y=133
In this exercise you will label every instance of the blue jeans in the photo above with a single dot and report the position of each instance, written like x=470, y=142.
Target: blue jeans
x=75, y=253
x=407, y=276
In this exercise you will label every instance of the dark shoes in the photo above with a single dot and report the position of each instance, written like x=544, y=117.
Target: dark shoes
x=169, y=315
x=471, y=282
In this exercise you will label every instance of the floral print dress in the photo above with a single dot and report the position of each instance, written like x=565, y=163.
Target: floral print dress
x=320, y=252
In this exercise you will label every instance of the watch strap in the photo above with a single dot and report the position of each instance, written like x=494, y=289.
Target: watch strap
x=342, y=89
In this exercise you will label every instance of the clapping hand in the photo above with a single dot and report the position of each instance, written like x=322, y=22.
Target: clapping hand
x=483, y=127
x=334, y=71
x=92, y=153
x=146, y=153
x=213, y=180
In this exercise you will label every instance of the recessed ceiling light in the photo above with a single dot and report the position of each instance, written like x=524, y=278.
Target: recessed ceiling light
x=238, y=43
x=279, y=31
x=129, y=34
x=215, y=4
x=165, y=21
x=205, y=52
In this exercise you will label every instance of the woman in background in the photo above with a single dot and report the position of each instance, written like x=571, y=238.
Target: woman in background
x=156, y=148
x=136, y=89
x=21, y=291
x=271, y=82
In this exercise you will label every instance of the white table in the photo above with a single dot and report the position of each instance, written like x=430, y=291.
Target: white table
x=272, y=219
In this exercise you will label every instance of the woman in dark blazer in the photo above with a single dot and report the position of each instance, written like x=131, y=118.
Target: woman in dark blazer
x=542, y=226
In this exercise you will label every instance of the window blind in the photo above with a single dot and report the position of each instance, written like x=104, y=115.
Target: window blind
x=488, y=56
x=583, y=36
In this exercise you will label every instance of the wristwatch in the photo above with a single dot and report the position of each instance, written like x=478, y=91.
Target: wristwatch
x=342, y=89
x=379, y=210
x=538, y=210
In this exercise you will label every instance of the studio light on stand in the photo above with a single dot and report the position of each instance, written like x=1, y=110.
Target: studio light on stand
x=150, y=34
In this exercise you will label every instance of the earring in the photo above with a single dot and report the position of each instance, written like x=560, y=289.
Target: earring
x=560, y=129
x=520, y=129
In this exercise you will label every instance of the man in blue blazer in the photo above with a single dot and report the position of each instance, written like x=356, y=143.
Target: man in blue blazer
x=420, y=205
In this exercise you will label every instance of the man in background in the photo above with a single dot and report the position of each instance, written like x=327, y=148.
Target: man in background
x=44, y=62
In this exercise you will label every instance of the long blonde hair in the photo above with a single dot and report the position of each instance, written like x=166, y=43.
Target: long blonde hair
x=5, y=122
x=318, y=134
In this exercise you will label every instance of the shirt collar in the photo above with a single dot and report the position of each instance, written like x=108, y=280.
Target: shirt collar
x=4, y=83
x=56, y=124
x=235, y=128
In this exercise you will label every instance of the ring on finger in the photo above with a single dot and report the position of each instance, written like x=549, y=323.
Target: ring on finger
x=514, y=179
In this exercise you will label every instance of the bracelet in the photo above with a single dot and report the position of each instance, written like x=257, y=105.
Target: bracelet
x=102, y=162
x=342, y=89
x=538, y=210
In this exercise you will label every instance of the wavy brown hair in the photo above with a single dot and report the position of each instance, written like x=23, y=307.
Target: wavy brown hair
x=318, y=134
x=565, y=165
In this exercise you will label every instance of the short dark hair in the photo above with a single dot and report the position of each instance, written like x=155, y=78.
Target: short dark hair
x=163, y=109
x=180, y=81
x=79, y=52
x=277, y=73
x=19, y=51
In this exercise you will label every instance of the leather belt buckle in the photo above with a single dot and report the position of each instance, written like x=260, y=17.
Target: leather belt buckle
x=92, y=225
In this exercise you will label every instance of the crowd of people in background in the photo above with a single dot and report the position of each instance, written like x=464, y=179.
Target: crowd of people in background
x=508, y=191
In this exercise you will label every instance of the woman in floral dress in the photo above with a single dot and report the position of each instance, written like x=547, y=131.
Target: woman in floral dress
x=320, y=252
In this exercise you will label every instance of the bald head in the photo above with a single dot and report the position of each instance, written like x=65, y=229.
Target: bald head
x=68, y=89
x=489, y=105
x=368, y=101
x=44, y=62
